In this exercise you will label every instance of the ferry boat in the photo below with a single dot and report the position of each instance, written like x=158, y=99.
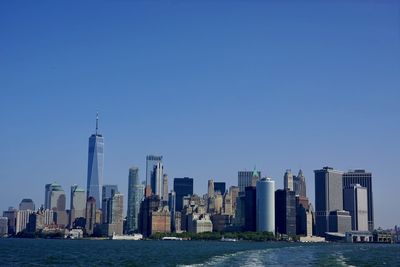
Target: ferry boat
x=172, y=238
x=127, y=237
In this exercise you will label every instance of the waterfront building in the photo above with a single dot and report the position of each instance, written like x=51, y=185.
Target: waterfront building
x=339, y=221
x=364, y=179
x=285, y=212
x=359, y=237
x=172, y=209
x=27, y=204
x=200, y=223
x=220, y=222
x=151, y=162
x=182, y=187
x=95, y=165
x=3, y=226
x=328, y=196
x=247, y=178
x=288, y=180
x=160, y=220
x=117, y=218
x=164, y=195
x=355, y=201
x=265, y=202
x=90, y=215
x=304, y=217
x=11, y=215
x=250, y=209
x=239, y=221
x=135, y=196
x=220, y=186
x=108, y=192
x=78, y=204
x=299, y=184
x=40, y=219
x=22, y=220
x=148, y=205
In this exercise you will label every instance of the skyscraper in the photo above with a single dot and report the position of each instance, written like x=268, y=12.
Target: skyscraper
x=220, y=186
x=355, y=201
x=90, y=215
x=151, y=162
x=108, y=192
x=164, y=195
x=135, y=196
x=288, y=180
x=210, y=190
x=265, y=202
x=364, y=179
x=117, y=218
x=157, y=179
x=328, y=197
x=250, y=209
x=182, y=187
x=246, y=178
x=299, y=184
x=78, y=204
x=172, y=209
x=27, y=204
x=285, y=212
x=56, y=201
x=95, y=165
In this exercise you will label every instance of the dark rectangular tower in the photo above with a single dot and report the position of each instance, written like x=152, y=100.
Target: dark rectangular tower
x=182, y=187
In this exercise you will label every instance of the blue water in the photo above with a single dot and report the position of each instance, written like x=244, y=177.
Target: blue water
x=40, y=252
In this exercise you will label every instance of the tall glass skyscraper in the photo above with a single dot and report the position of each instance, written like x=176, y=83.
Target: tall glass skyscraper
x=95, y=165
x=154, y=173
x=135, y=196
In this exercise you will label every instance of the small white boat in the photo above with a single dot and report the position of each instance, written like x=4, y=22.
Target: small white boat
x=127, y=237
x=169, y=238
x=223, y=239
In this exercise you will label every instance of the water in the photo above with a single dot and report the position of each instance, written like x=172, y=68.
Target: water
x=40, y=252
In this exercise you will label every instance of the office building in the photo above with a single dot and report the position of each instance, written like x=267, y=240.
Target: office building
x=299, y=184
x=288, y=180
x=164, y=195
x=227, y=204
x=117, y=218
x=328, y=196
x=157, y=179
x=147, y=206
x=339, y=221
x=135, y=196
x=95, y=165
x=355, y=201
x=182, y=187
x=22, y=220
x=265, y=205
x=234, y=193
x=108, y=192
x=210, y=188
x=285, y=212
x=247, y=178
x=11, y=215
x=172, y=209
x=304, y=216
x=56, y=201
x=78, y=204
x=364, y=179
x=90, y=215
x=3, y=226
x=151, y=162
x=220, y=187
x=27, y=204
x=250, y=209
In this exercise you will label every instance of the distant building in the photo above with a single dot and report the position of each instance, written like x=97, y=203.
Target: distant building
x=220, y=222
x=339, y=221
x=234, y=193
x=95, y=165
x=147, y=206
x=247, y=178
x=164, y=195
x=135, y=196
x=3, y=226
x=40, y=219
x=90, y=215
x=22, y=220
x=364, y=179
x=160, y=220
x=285, y=212
x=108, y=192
x=27, y=204
x=57, y=202
x=227, y=204
x=78, y=204
x=172, y=209
x=355, y=201
x=250, y=209
x=328, y=197
x=11, y=215
x=210, y=190
x=201, y=223
x=157, y=179
x=220, y=186
x=288, y=180
x=152, y=162
x=265, y=202
x=182, y=187
x=299, y=184
x=117, y=218
x=304, y=217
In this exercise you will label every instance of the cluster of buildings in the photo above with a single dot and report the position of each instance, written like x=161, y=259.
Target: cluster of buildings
x=343, y=204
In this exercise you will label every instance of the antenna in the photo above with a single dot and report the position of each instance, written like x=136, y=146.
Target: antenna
x=97, y=122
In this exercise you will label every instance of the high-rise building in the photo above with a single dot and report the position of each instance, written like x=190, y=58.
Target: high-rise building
x=164, y=195
x=247, y=178
x=182, y=187
x=117, y=218
x=210, y=188
x=328, y=197
x=339, y=221
x=265, y=202
x=285, y=212
x=220, y=186
x=172, y=209
x=108, y=192
x=157, y=179
x=3, y=226
x=227, y=204
x=27, y=204
x=56, y=201
x=288, y=180
x=355, y=201
x=250, y=209
x=151, y=162
x=90, y=215
x=234, y=193
x=364, y=179
x=304, y=217
x=11, y=215
x=78, y=204
x=22, y=220
x=95, y=165
x=135, y=196
x=299, y=184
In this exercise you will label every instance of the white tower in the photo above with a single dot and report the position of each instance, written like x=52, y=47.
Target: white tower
x=265, y=195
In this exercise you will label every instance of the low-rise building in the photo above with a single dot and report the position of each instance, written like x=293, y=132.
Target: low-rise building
x=358, y=237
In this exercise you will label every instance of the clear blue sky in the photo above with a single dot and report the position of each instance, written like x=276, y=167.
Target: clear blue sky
x=213, y=86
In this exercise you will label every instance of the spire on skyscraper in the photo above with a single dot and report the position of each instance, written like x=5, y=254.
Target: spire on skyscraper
x=97, y=122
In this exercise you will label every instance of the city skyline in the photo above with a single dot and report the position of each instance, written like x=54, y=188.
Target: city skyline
x=318, y=83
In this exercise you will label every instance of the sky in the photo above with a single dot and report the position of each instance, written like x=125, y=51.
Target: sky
x=213, y=86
